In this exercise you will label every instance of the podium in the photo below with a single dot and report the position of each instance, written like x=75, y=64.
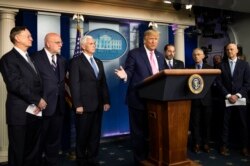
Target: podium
x=168, y=95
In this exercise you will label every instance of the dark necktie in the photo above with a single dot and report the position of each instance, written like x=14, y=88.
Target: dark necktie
x=53, y=62
x=94, y=66
x=198, y=66
x=170, y=65
x=30, y=62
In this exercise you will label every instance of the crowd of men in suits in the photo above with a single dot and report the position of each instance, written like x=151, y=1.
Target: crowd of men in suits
x=35, y=100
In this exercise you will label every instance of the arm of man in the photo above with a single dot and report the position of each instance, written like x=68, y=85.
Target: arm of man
x=16, y=83
x=74, y=78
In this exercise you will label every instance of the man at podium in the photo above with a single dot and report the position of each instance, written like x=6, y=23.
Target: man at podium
x=140, y=64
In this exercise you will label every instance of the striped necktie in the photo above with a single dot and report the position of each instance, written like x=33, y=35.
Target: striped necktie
x=53, y=62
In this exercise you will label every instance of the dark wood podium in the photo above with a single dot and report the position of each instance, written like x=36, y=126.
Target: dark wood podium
x=169, y=101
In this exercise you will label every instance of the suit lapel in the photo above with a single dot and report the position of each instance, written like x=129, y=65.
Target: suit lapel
x=159, y=59
x=227, y=69
x=237, y=68
x=24, y=62
x=60, y=68
x=88, y=65
x=46, y=62
x=146, y=60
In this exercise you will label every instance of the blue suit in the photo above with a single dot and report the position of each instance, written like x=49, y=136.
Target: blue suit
x=238, y=83
x=137, y=67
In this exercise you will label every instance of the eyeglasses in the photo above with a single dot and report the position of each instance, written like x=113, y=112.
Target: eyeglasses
x=58, y=42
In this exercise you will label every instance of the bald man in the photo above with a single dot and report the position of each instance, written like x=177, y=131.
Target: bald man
x=51, y=67
x=234, y=83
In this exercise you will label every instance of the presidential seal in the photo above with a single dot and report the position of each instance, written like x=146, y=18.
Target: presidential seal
x=195, y=83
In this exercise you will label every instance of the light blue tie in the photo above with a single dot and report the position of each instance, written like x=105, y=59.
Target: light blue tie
x=232, y=66
x=94, y=66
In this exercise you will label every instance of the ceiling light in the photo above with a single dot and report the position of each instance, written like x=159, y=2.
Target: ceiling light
x=166, y=1
x=153, y=25
x=189, y=6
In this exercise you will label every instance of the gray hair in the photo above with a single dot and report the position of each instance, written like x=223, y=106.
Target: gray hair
x=85, y=38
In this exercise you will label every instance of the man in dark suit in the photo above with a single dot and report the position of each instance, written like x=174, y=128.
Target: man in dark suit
x=234, y=83
x=172, y=63
x=24, y=88
x=51, y=67
x=90, y=96
x=140, y=64
x=201, y=110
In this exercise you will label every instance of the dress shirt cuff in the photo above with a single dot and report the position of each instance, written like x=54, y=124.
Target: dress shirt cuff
x=228, y=95
x=126, y=78
x=239, y=95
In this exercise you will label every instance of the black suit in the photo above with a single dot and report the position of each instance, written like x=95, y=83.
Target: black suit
x=177, y=64
x=91, y=93
x=53, y=94
x=201, y=112
x=24, y=87
x=238, y=83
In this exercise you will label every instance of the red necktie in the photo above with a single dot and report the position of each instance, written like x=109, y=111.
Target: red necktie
x=153, y=63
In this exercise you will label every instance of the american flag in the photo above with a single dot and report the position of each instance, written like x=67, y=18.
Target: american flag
x=77, y=52
x=78, y=38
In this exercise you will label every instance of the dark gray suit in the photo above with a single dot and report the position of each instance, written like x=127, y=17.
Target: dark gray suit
x=238, y=83
x=24, y=87
x=177, y=64
x=91, y=93
x=53, y=94
x=200, y=118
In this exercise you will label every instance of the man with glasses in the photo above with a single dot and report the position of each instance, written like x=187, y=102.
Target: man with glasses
x=51, y=66
x=24, y=88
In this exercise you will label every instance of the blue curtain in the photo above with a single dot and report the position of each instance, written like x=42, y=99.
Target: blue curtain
x=28, y=18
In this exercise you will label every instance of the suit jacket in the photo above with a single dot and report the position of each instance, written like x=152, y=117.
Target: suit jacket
x=177, y=64
x=207, y=99
x=24, y=86
x=87, y=90
x=137, y=67
x=238, y=83
x=53, y=82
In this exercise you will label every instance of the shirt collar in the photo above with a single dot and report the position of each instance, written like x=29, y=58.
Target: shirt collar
x=21, y=52
x=88, y=56
x=49, y=55
x=232, y=60
x=148, y=51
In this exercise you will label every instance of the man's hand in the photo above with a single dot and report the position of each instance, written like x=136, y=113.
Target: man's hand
x=106, y=107
x=233, y=98
x=121, y=73
x=79, y=110
x=36, y=111
x=42, y=104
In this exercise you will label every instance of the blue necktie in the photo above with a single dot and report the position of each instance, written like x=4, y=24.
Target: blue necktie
x=232, y=66
x=170, y=65
x=94, y=66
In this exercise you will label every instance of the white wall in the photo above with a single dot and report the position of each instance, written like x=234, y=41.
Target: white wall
x=242, y=34
x=46, y=22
